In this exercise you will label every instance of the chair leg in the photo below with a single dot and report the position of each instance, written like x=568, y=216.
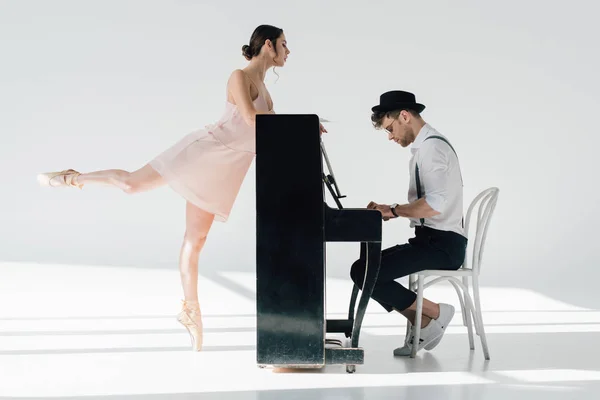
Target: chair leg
x=479, y=318
x=476, y=311
x=418, y=317
x=462, y=306
x=411, y=283
x=467, y=318
x=466, y=310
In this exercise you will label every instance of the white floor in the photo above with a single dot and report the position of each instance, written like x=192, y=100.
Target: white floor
x=110, y=333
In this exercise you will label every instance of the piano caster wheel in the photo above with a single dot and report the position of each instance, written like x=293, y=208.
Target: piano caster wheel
x=350, y=369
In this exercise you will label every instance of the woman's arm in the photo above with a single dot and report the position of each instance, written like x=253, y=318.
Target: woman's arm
x=239, y=86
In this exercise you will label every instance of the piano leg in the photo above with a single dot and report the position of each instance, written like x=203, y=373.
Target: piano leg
x=373, y=259
x=352, y=307
x=352, y=355
x=354, y=296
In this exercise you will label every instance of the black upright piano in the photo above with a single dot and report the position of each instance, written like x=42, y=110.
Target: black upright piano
x=293, y=225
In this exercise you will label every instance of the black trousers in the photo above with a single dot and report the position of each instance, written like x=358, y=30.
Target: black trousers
x=428, y=249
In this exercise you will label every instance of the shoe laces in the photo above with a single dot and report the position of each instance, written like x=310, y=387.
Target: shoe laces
x=192, y=307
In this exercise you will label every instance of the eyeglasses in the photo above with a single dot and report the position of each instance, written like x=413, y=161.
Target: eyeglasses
x=389, y=129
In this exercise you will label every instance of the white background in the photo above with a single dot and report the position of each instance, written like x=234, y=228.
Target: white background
x=110, y=84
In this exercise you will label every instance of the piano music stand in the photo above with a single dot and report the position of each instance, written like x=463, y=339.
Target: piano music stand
x=330, y=181
x=293, y=224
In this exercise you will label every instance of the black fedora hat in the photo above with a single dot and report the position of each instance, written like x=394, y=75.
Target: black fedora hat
x=398, y=100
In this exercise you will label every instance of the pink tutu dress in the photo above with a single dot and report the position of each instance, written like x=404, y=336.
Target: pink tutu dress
x=207, y=167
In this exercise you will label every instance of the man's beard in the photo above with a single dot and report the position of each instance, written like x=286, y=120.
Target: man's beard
x=407, y=138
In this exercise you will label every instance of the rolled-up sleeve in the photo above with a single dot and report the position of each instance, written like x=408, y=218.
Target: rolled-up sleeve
x=433, y=173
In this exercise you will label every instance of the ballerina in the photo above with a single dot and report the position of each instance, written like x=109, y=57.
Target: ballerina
x=206, y=167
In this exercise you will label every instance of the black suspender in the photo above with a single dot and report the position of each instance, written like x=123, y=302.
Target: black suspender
x=418, y=180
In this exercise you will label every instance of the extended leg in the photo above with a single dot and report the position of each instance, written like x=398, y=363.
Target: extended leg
x=143, y=179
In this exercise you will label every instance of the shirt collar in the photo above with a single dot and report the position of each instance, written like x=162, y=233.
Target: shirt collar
x=421, y=136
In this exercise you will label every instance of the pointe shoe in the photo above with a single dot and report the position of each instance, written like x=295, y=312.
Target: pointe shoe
x=63, y=178
x=191, y=319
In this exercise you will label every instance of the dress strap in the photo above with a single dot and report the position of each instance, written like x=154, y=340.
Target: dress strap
x=252, y=81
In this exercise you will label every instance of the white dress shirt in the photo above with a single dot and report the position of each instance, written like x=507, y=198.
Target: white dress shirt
x=441, y=181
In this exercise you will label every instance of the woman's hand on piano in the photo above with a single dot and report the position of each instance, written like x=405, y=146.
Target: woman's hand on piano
x=322, y=129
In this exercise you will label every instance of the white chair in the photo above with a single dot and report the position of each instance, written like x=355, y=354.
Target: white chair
x=485, y=203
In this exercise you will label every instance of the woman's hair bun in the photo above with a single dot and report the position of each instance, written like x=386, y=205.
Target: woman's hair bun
x=247, y=51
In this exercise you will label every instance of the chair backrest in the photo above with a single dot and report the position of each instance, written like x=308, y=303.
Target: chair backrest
x=485, y=202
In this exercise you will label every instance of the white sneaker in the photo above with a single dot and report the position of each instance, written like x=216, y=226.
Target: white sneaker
x=405, y=350
x=446, y=315
x=428, y=335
